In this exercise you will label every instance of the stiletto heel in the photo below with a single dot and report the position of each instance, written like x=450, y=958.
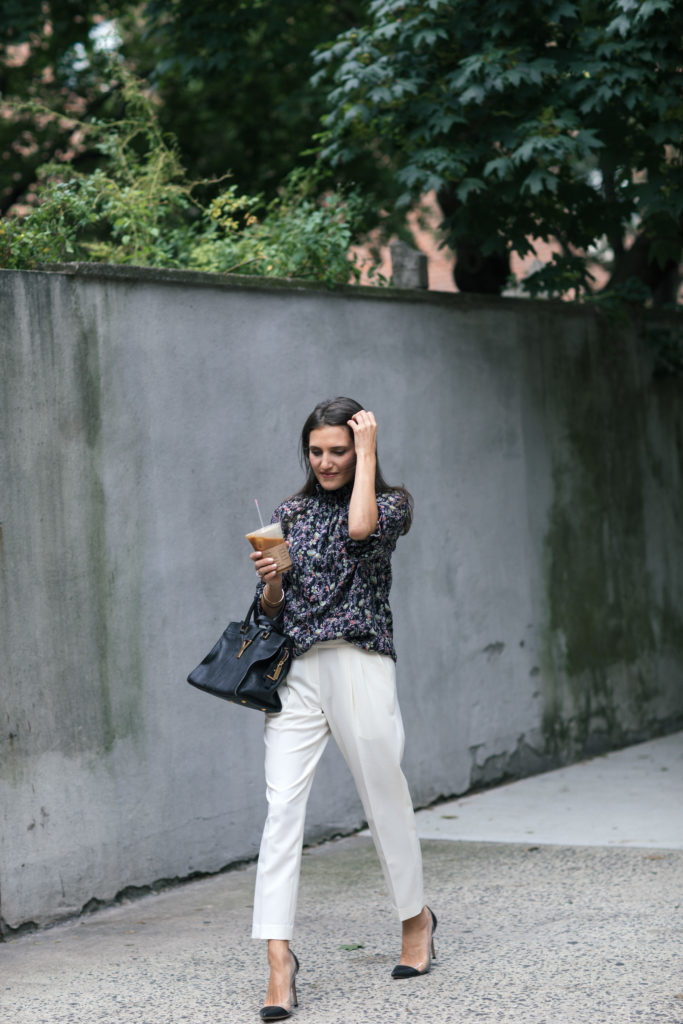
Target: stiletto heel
x=269, y=1013
x=404, y=971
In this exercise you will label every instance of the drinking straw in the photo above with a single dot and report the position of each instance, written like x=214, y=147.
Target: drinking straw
x=259, y=513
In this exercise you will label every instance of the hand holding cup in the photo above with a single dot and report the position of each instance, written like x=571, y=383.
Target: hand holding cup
x=270, y=543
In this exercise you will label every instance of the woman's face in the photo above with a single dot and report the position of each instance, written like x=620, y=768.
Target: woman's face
x=332, y=456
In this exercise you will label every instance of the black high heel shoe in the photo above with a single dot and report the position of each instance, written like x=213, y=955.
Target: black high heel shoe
x=404, y=971
x=269, y=1013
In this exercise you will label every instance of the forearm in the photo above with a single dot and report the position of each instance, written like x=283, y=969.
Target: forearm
x=363, y=505
x=271, y=598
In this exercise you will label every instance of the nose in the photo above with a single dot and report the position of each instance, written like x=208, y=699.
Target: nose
x=326, y=463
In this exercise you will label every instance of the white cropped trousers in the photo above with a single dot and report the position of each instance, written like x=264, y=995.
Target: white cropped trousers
x=342, y=690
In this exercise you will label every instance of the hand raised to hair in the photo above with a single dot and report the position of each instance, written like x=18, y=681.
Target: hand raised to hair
x=364, y=428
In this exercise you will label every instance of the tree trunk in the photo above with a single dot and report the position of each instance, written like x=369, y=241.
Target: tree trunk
x=634, y=263
x=474, y=271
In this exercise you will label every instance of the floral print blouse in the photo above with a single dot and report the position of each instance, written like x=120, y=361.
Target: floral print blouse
x=338, y=588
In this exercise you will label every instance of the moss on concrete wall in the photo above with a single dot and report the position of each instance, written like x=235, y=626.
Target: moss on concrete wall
x=605, y=617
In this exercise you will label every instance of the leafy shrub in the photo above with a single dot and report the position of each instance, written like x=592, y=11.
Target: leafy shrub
x=300, y=234
x=135, y=208
x=138, y=208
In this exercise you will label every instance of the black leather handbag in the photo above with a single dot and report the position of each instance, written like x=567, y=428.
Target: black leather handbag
x=248, y=663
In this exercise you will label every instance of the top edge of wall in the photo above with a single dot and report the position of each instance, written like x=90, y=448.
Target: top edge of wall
x=294, y=286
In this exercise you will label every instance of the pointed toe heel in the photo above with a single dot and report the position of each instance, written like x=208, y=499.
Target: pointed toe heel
x=404, y=971
x=268, y=1013
x=271, y=1013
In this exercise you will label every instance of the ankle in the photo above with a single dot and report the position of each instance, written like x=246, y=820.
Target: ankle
x=417, y=923
x=278, y=953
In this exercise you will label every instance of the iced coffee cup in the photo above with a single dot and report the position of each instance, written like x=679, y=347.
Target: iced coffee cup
x=269, y=541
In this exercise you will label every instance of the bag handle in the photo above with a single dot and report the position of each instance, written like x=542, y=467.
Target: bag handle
x=255, y=610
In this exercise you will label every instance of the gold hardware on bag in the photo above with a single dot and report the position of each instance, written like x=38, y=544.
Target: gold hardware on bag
x=278, y=668
x=245, y=644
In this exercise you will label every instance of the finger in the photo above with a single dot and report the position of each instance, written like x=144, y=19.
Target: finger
x=260, y=556
x=364, y=416
x=364, y=429
x=265, y=566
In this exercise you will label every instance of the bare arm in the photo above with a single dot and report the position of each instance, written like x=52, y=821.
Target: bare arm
x=363, y=505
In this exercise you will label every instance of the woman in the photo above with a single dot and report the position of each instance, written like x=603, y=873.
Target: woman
x=341, y=527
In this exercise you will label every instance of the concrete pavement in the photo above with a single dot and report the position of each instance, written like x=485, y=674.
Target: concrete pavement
x=632, y=797
x=560, y=899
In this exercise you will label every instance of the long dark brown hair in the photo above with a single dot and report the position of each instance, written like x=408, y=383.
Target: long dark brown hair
x=336, y=412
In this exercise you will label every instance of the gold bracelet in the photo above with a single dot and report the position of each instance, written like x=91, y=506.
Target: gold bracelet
x=271, y=604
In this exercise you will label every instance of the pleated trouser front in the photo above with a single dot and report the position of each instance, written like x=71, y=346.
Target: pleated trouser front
x=340, y=690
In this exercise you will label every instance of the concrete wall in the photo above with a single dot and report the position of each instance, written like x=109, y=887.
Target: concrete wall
x=537, y=599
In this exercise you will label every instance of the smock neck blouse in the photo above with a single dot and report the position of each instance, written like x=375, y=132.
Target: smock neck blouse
x=338, y=588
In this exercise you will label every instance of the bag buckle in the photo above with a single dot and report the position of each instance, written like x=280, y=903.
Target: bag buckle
x=280, y=665
x=245, y=644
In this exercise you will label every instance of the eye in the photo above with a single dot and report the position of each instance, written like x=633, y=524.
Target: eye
x=340, y=451
x=314, y=451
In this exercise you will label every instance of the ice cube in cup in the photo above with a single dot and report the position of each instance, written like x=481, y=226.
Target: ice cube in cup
x=269, y=540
